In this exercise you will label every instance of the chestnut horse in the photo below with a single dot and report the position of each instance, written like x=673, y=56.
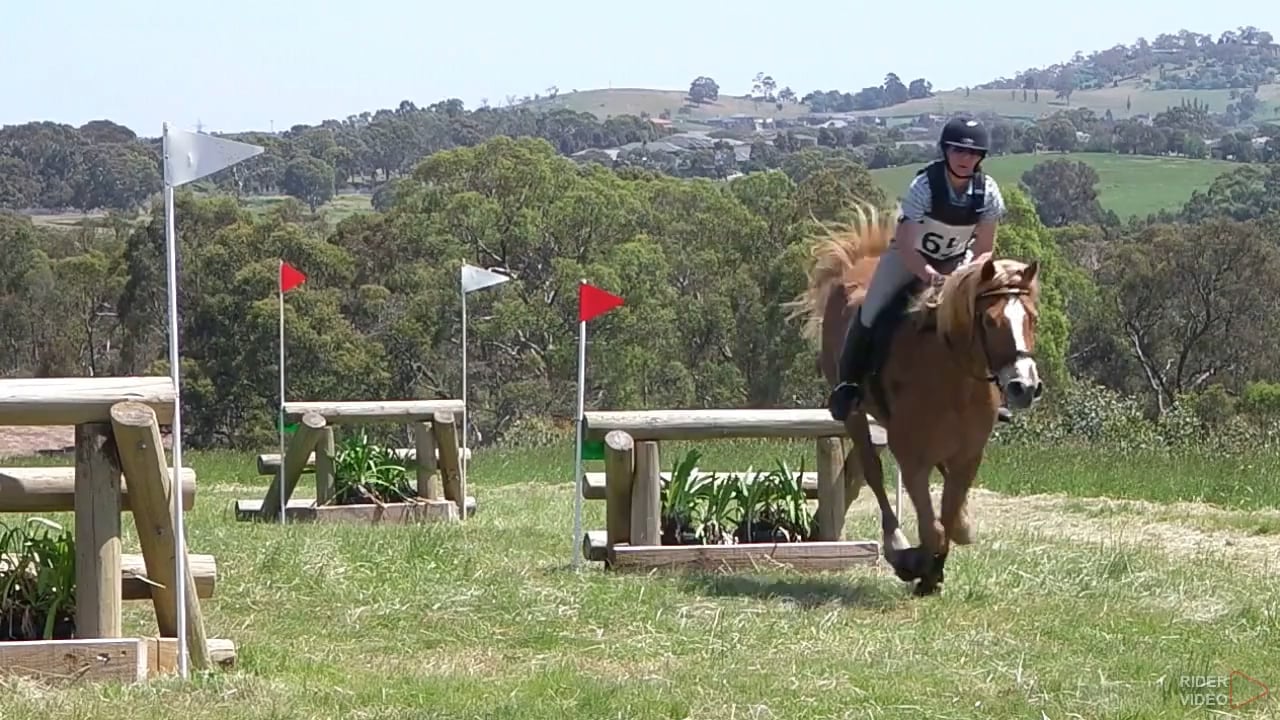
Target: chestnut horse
x=950, y=353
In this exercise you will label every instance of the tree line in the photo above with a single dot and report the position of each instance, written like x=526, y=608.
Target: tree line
x=1172, y=315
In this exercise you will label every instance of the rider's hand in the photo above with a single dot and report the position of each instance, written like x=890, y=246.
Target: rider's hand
x=933, y=277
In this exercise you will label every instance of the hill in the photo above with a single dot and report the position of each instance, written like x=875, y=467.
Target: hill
x=1127, y=99
x=1125, y=181
x=1126, y=80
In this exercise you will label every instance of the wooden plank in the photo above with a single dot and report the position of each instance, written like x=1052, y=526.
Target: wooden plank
x=424, y=445
x=620, y=464
x=269, y=463
x=133, y=580
x=305, y=509
x=162, y=654
x=595, y=545
x=323, y=462
x=301, y=447
x=445, y=430
x=96, y=504
x=646, y=495
x=718, y=424
x=374, y=411
x=81, y=660
x=72, y=401
x=595, y=484
x=137, y=436
x=756, y=556
x=52, y=489
x=831, y=504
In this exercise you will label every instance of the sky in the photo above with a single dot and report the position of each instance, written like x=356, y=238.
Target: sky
x=236, y=65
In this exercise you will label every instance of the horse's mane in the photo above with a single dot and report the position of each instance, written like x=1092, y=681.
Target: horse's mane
x=835, y=257
x=951, y=307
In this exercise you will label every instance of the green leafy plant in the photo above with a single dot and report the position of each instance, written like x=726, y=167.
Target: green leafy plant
x=756, y=506
x=37, y=581
x=367, y=473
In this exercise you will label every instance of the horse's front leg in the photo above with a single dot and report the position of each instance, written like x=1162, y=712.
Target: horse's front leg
x=919, y=562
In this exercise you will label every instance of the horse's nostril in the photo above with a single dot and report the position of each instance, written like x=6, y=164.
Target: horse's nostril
x=1017, y=388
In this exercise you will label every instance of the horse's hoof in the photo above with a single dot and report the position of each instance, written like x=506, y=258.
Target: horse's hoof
x=927, y=588
x=910, y=564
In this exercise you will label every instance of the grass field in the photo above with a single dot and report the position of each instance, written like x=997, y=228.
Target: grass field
x=616, y=101
x=1069, y=605
x=1128, y=184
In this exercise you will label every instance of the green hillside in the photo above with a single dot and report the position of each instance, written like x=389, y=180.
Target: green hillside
x=1128, y=184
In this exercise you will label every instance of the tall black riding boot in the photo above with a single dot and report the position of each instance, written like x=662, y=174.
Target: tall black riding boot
x=853, y=362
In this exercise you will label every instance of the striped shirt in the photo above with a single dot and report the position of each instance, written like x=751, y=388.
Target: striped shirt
x=920, y=198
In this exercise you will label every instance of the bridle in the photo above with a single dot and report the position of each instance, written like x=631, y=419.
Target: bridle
x=992, y=377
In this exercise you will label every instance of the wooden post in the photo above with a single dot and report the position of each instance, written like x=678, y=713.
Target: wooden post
x=424, y=444
x=446, y=434
x=324, y=467
x=646, y=496
x=137, y=434
x=619, y=468
x=831, y=506
x=295, y=458
x=97, y=534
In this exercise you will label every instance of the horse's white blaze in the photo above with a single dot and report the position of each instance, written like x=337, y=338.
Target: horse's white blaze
x=1024, y=369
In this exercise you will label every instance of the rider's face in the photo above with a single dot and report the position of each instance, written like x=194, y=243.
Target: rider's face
x=962, y=160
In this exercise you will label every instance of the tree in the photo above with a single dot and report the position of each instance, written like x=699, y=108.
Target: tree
x=703, y=90
x=310, y=180
x=1065, y=192
x=1195, y=303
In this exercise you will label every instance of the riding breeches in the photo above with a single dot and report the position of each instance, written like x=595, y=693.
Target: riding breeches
x=890, y=276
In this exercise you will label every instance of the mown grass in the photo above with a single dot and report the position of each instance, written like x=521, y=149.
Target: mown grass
x=1126, y=183
x=1067, y=606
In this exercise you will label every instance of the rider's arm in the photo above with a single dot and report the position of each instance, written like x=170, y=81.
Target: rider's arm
x=907, y=237
x=911, y=227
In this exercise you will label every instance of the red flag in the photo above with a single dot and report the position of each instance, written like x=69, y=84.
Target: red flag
x=290, y=277
x=594, y=302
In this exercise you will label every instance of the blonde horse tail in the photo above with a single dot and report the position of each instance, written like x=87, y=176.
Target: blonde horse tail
x=833, y=269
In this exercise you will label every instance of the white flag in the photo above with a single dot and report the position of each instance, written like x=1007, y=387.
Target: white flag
x=476, y=278
x=190, y=156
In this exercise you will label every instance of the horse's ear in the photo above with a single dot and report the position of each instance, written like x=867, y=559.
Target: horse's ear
x=1029, y=274
x=988, y=271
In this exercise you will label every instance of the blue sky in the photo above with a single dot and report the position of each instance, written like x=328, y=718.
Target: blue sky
x=247, y=63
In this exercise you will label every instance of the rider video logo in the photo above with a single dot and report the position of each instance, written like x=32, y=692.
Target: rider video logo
x=1220, y=691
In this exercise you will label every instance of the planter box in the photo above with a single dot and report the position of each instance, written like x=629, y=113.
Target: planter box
x=812, y=555
x=306, y=510
x=127, y=660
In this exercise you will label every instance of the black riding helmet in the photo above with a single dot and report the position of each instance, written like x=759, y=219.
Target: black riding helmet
x=968, y=133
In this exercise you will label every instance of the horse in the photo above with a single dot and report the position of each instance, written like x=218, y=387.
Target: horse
x=952, y=351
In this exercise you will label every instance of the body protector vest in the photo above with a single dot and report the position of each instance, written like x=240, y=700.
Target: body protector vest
x=948, y=228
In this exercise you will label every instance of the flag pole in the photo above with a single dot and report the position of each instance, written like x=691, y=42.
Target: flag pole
x=462, y=455
x=577, y=455
x=175, y=480
x=280, y=414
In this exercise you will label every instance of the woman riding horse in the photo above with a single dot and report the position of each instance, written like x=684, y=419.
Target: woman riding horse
x=949, y=216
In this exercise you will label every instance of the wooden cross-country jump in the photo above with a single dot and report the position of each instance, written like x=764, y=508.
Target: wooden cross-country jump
x=120, y=466
x=631, y=486
x=441, y=489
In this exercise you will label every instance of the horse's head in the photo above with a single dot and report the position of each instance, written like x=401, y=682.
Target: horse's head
x=994, y=305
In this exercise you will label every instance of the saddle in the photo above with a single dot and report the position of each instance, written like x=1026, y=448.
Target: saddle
x=887, y=323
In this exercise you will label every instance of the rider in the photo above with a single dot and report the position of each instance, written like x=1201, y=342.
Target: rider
x=949, y=214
